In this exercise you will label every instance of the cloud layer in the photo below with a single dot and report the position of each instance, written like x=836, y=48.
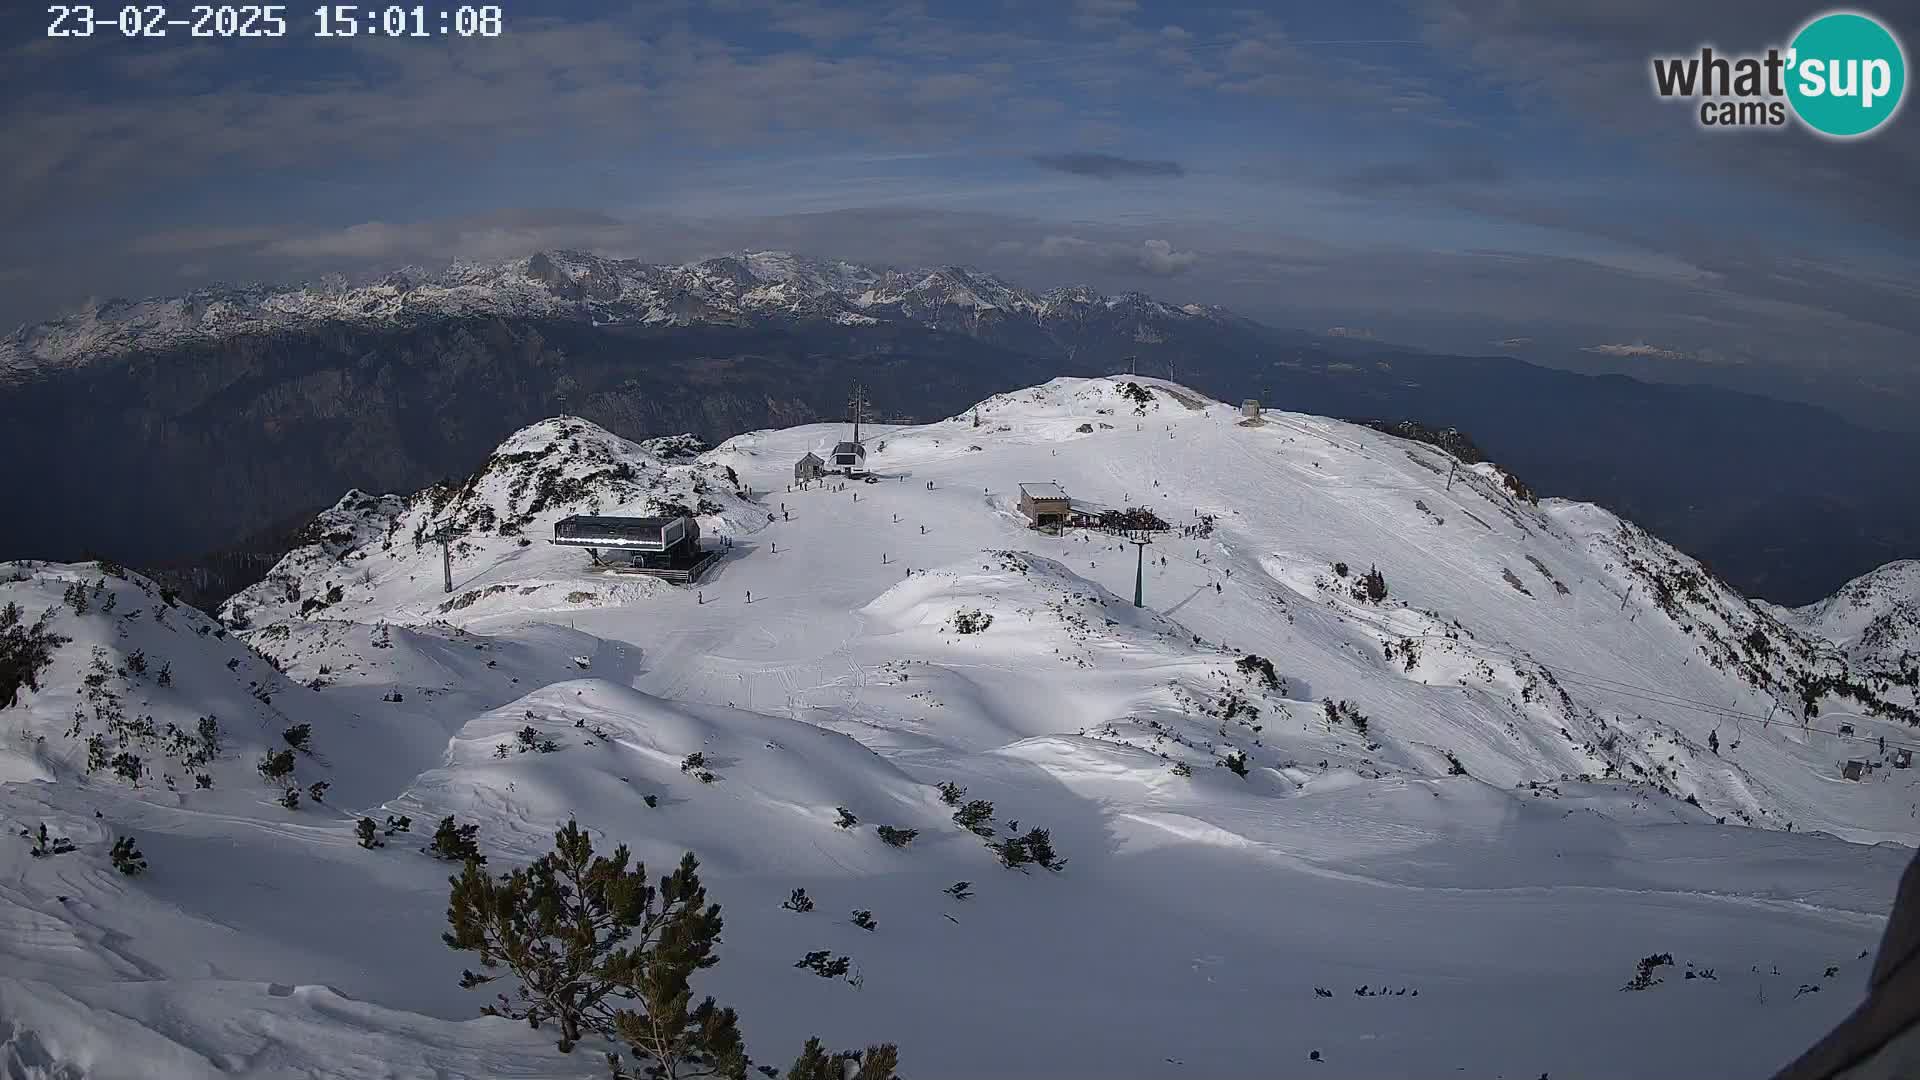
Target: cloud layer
x=1451, y=172
x=1106, y=166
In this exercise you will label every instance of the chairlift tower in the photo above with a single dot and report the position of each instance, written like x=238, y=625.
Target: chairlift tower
x=1139, y=540
x=857, y=406
x=444, y=536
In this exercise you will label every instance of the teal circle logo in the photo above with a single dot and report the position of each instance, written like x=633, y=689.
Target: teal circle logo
x=1846, y=74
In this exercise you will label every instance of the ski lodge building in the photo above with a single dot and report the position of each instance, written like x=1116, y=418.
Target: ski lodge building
x=1046, y=505
x=662, y=547
x=810, y=467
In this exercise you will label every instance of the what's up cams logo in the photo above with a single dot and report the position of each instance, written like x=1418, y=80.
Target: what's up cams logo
x=1842, y=76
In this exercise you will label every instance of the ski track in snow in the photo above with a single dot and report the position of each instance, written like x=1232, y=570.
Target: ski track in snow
x=1196, y=915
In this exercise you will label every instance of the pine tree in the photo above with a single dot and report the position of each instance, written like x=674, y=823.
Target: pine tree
x=277, y=766
x=875, y=1063
x=369, y=834
x=25, y=651
x=951, y=793
x=455, y=842
x=562, y=926
x=298, y=736
x=897, y=837
x=1035, y=846
x=1012, y=852
x=599, y=951
x=126, y=856
x=847, y=820
x=587, y=937
x=799, y=901
x=823, y=963
x=976, y=817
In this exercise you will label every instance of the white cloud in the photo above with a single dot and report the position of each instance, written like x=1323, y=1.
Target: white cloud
x=1151, y=256
x=1640, y=351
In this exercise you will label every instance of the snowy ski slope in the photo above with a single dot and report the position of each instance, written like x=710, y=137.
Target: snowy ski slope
x=1555, y=747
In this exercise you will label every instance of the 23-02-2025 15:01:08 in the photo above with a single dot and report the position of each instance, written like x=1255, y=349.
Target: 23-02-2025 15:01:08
x=271, y=20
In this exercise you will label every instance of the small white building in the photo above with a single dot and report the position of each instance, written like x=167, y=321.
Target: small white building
x=1250, y=408
x=810, y=467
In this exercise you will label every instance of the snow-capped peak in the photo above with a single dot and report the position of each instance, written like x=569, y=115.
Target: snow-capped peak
x=370, y=554
x=1875, y=617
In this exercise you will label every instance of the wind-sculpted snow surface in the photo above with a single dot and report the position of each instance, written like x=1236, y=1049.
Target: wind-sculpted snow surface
x=1394, y=765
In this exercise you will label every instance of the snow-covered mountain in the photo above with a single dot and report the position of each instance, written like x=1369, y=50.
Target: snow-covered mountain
x=367, y=551
x=1875, y=617
x=1539, y=748
x=573, y=285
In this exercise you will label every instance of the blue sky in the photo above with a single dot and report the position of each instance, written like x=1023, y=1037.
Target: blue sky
x=1476, y=175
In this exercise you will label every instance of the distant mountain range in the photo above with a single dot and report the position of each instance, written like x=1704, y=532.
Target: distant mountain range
x=160, y=430
x=605, y=293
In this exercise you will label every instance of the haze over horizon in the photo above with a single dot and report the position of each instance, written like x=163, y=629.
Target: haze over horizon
x=1460, y=175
